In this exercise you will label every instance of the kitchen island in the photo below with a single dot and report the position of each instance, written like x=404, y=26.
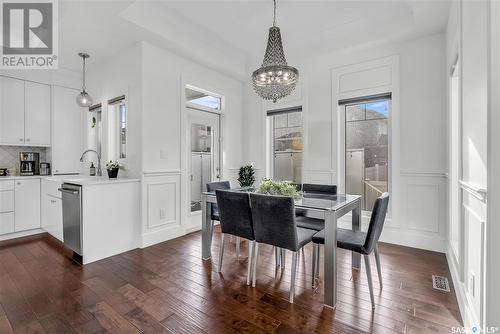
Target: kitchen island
x=101, y=216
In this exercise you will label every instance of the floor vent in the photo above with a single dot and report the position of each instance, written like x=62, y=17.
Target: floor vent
x=440, y=283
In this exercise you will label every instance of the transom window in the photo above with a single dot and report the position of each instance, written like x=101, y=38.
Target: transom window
x=196, y=98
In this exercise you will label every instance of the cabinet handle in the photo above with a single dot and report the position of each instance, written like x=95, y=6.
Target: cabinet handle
x=52, y=201
x=27, y=139
x=20, y=139
x=19, y=182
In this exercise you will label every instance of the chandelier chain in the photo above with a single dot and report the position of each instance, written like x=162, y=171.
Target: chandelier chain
x=274, y=17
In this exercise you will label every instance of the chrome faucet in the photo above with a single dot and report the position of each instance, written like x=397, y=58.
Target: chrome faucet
x=99, y=170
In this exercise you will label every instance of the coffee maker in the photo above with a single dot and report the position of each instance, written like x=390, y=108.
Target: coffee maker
x=29, y=163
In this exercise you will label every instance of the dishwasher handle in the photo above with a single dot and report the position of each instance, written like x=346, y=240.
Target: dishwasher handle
x=68, y=191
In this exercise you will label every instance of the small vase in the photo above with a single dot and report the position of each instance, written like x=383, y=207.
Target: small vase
x=113, y=173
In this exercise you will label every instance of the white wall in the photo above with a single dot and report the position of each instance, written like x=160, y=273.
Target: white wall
x=120, y=75
x=164, y=138
x=419, y=160
x=467, y=34
x=152, y=80
x=492, y=267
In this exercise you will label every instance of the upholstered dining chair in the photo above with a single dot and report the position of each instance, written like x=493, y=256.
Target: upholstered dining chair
x=321, y=189
x=211, y=187
x=361, y=242
x=274, y=224
x=235, y=218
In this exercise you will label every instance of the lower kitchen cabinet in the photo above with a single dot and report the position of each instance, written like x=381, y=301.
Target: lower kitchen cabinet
x=6, y=222
x=52, y=216
x=27, y=204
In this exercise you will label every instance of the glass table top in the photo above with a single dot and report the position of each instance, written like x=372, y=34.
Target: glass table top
x=313, y=200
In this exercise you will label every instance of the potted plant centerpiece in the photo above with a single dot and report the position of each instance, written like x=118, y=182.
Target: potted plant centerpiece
x=279, y=188
x=112, y=167
x=246, y=176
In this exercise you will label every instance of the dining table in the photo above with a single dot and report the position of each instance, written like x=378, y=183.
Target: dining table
x=316, y=205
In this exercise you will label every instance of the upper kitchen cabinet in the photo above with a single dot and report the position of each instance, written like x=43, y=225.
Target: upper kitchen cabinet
x=11, y=111
x=37, y=114
x=24, y=113
x=67, y=131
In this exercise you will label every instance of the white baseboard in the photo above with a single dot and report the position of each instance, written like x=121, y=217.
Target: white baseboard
x=21, y=234
x=468, y=317
x=155, y=237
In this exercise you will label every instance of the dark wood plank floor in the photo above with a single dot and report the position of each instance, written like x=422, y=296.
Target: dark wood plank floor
x=167, y=288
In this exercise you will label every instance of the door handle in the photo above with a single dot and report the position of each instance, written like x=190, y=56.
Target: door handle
x=68, y=191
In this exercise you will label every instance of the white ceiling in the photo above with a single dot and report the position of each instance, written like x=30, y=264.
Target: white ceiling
x=231, y=35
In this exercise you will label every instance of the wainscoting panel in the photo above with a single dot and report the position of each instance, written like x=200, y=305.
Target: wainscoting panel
x=423, y=209
x=319, y=177
x=161, y=207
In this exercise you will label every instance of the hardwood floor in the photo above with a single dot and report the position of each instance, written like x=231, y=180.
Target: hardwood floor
x=167, y=288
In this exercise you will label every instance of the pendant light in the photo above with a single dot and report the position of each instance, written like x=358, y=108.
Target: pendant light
x=274, y=79
x=83, y=99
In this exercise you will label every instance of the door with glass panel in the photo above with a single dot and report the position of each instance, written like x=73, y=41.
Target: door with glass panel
x=204, y=160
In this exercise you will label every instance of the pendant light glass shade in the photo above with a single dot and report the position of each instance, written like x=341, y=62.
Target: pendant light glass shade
x=83, y=99
x=274, y=79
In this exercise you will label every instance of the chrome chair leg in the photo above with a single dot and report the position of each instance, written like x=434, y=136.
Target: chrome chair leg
x=369, y=276
x=377, y=260
x=237, y=248
x=277, y=258
x=221, y=252
x=255, y=258
x=316, y=274
x=313, y=272
x=250, y=260
x=294, y=274
x=283, y=258
x=212, y=223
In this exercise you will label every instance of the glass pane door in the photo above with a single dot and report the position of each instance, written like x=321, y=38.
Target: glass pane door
x=204, y=159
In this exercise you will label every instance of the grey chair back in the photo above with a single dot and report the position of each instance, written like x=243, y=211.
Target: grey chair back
x=329, y=189
x=213, y=186
x=235, y=214
x=376, y=222
x=274, y=221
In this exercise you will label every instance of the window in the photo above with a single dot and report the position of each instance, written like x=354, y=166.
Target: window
x=286, y=134
x=117, y=116
x=199, y=99
x=367, y=149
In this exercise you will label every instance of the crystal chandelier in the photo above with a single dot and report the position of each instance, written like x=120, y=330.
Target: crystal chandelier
x=83, y=99
x=274, y=79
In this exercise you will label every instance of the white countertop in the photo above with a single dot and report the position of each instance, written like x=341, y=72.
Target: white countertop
x=96, y=180
x=83, y=180
x=17, y=177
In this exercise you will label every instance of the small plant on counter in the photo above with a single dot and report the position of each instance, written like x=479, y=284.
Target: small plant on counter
x=281, y=188
x=246, y=176
x=112, y=168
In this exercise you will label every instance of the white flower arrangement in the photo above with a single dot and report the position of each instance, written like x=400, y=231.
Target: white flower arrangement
x=112, y=164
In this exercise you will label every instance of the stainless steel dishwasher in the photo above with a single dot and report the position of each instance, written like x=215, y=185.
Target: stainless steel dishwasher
x=72, y=217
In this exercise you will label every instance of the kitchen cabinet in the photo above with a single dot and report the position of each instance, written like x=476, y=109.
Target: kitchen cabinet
x=11, y=111
x=24, y=113
x=52, y=216
x=6, y=207
x=67, y=143
x=36, y=114
x=27, y=204
x=52, y=208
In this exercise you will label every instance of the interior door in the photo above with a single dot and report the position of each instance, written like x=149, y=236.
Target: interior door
x=204, y=161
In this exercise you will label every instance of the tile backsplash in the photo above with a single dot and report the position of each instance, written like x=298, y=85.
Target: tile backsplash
x=9, y=155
